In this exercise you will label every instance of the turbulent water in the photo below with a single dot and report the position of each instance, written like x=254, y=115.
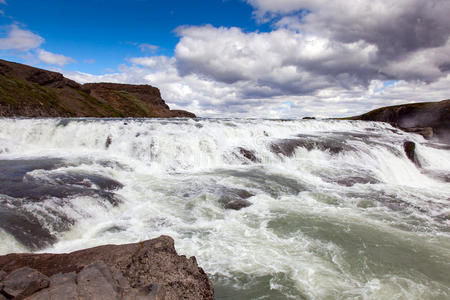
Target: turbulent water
x=329, y=209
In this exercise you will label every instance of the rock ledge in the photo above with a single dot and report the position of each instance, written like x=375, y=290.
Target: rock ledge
x=147, y=270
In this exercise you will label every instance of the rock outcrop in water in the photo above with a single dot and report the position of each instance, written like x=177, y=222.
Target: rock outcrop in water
x=430, y=119
x=145, y=270
x=30, y=92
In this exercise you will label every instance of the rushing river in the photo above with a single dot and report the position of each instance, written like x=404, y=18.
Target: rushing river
x=302, y=209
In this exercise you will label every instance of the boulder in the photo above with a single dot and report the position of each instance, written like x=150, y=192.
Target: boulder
x=235, y=199
x=410, y=150
x=147, y=270
x=248, y=154
x=23, y=282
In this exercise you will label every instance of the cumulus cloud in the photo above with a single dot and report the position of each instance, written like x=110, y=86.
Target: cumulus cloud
x=281, y=62
x=20, y=40
x=396, y=28
x=53, y=59
x=212, y=98
x=322, y=58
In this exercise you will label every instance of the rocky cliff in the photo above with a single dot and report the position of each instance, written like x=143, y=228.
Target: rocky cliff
x=147, y=270
x=430, y=119
x=30, y=92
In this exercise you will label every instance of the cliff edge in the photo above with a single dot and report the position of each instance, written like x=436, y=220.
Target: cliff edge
x=31, y=92
x=430, y=119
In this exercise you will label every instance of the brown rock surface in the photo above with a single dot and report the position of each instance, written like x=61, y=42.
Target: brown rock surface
x=23, y=282
x=147, y=270
x=30, y=92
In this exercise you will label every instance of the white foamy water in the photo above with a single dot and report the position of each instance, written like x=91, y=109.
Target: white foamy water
x=337, y=209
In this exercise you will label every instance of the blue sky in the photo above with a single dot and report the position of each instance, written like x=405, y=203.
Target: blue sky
x=243, y=58
x=107, y=31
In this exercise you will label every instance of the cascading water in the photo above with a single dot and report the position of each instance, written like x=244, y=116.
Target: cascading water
x=327, y=209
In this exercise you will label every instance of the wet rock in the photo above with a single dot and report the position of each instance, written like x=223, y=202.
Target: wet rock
x=237, y=204
x=108, y=142
x=248, y=154
x=147, y=270
x=287, y=147
x=426, y=132
x=82, y=180
x=25, y=227
x=23, y=282
x=20, y=187
x=235, y=199
x=352, y=180
x=410, y=150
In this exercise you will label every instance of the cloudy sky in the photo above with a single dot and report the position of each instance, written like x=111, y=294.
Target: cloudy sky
x=243, y=58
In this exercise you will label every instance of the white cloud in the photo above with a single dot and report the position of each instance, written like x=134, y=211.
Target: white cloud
x=2, y=1
x=148, y=47
x=322, y=58
x=211, y=98
x=20, y=40
x=54, y=59
x=281, y=62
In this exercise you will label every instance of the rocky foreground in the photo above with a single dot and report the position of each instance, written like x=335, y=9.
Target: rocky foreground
x=430, y=119
x=145, y=270
x=30, y=92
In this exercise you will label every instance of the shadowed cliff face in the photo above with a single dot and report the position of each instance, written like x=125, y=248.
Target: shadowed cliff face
x=30, y=92
x=416, y=117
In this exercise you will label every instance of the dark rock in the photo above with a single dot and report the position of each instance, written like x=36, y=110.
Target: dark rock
x=308, y=118
x=352, y=180
x=426, y=132
x=410, y=150
x=248, y=154
x=35, y=230
x=108, y=142
x=416, y=117
x=25, y=228
x=146, y=269
x=235, y=199
x=23, y=282
x=286, y=147
x=237, y=204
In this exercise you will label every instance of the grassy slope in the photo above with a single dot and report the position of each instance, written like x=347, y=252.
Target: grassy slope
x=32, y=100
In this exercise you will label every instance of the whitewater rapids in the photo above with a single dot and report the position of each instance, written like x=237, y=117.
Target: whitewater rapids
x=333, y=209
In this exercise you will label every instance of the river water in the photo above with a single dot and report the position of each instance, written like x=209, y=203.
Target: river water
x=272, y=209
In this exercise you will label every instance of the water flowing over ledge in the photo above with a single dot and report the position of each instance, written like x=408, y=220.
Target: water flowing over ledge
x=299, y=209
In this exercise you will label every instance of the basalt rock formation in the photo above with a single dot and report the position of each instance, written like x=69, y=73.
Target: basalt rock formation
x=30, y=92
x=145, y=270
x=430, y=119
